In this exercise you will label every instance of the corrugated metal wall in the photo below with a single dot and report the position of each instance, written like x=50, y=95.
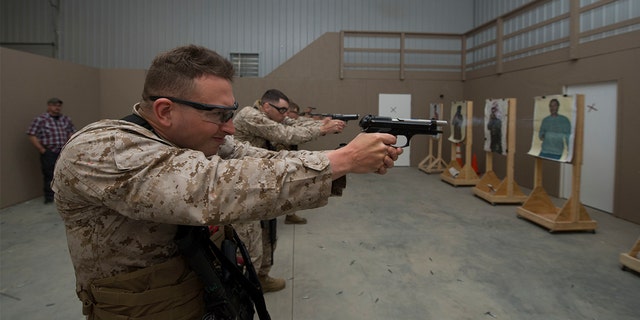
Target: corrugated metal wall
x=608, y=14
x=487, y=10
x=28, y=25
x=529, y=28
x=128, y=34
x=554, y=31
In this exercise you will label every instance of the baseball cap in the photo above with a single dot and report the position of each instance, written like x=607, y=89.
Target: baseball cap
x=54, y=101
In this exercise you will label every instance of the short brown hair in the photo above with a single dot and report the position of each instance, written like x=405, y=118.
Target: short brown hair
x=273, y=95
x=294, y=106
x=172, y=73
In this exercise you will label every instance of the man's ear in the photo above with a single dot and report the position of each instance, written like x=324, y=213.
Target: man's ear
x=262, y=106
x=163, y=111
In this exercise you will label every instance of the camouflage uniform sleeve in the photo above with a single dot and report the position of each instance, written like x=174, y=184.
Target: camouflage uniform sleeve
x=234, y=149
x=145, y=178
x=305, y=122
x=295, y=122
x=250, y=122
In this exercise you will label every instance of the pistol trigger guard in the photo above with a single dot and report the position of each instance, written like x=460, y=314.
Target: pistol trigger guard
x=408, y=137
x=404, y=146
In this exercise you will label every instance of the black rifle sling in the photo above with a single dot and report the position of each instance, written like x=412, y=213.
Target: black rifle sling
x=254, y=289
x=134, y=118
x=192, y=246
x=205, y=271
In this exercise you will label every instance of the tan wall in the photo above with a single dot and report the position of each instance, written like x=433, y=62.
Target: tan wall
x=120, y=89
x=524, y=85
x=311, y=79
x=27, y=81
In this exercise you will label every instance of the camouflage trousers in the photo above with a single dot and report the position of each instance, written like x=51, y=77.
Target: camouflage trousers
x=257, y=241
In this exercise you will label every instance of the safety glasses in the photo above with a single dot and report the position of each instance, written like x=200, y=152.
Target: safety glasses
x=213, y=113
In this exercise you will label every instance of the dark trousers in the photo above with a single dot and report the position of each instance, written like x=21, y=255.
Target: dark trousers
x=48, y=162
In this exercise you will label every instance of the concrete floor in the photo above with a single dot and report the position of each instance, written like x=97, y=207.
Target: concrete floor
x=401, y=246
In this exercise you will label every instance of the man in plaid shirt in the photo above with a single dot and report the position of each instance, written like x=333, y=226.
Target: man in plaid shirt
x=48, y=132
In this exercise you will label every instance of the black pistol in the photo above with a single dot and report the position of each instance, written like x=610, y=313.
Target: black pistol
x=337, y=116
x=401, y=127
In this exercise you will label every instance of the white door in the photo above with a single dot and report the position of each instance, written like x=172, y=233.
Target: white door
x=397, y=106
x=598, y=167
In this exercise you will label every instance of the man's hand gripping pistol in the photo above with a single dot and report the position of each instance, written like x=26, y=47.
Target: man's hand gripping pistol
x=401, y=127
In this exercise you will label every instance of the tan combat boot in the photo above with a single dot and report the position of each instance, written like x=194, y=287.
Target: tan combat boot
x=294, y=219
x=269, y=284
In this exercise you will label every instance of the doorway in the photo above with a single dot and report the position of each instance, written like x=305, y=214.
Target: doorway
x=599, y=155
x=397, y=106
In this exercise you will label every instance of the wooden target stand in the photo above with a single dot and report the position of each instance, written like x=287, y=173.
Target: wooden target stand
x=466, y=175
x=434, y=164
x=572, y=216
x=631, y=260
x=492, y=189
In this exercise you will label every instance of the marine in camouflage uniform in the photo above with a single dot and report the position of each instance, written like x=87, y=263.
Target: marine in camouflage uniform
x=264, y=125
x=122, y=189
x=253, y=126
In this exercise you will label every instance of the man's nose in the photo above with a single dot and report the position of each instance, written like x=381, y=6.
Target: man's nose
x=228, y=127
